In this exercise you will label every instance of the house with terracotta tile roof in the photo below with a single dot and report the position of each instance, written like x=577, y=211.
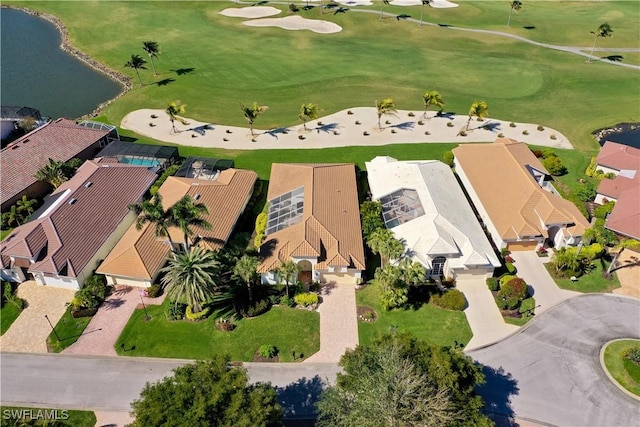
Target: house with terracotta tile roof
x=314, y=220
x=512, y=193
x=425, y=208
x=77, y=226
x=60, y=140
x=137, y=258
x=622, y=161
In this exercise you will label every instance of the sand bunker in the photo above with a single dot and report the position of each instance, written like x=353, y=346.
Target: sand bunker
x=406, y=2
x=296, y=23
x=355, y=2
x=250, y=12
x=442, y=4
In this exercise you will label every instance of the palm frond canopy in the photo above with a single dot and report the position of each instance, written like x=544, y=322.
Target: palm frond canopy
x=136, y=62
x=151, y=48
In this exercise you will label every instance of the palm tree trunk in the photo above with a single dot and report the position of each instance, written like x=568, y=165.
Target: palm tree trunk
x=153, y=65
x=593, y=48
x=614, y=261
x=139, y=79
x=251, y=129
x=421, y=14
x=509, y=21
x=250, y=291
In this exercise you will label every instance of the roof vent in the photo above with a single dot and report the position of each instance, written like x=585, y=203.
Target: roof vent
x=196, y=197
x=88, y=184
x=72, y=201
x=25, y=141
x=14, y=147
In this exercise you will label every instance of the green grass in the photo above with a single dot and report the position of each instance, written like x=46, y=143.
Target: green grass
x=625, y=372
x=69, y=330
x=8, y=314
x=591, y=282
x=442, y=327
x=369, y=59
x=5, y=233
x=14, y=416
x=287, y=329
x=518, y=322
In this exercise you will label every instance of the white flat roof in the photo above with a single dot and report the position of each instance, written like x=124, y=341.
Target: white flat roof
x=448, y=227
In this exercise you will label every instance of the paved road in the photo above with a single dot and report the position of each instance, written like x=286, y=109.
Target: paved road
x=110, y=384
x=551, y=368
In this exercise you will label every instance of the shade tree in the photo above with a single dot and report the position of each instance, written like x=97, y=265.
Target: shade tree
x=603, y=31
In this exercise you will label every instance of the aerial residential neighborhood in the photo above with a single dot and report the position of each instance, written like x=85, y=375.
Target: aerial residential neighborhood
x=320, y=213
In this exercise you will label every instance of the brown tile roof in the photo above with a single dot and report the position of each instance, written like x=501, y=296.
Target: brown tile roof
x=59, y=140
x=614, y=187
x=139, y=254
x=330, y=228
x=73, y=232
x=500, y=175
x=619, y=156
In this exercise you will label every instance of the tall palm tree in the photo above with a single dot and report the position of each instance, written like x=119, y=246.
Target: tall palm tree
x=382, y=3
x=191, y=277
x=432, y=97
x=603, y=31
x=152, y=212
x=386, y=106
x=383, y=242
x=479, y=109
x=424, y=3
x=187, y=213
x=137, y=63
x=26, y=206
x=514, y=5
x=624, y=244
x=288, y=271
x=308, y=112
x=174, y=110
x=153, y=50
x=53, y=173
x=245, y=269
x=412, y=273
x=251, y=113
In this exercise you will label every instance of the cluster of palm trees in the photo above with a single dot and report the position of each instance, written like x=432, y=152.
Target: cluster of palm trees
x=138, y=63
x=56, y=172
x=18, y=213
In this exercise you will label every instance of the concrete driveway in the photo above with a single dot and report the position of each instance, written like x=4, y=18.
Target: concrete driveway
x=531, y=268
x=29, y=332
x=483, y=314
x=550, y=371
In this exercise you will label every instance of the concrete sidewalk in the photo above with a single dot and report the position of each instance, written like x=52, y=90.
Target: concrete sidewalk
x=338, y=323
x=483, y=314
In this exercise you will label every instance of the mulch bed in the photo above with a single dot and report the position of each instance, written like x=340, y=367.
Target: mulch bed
x=367, y=314
x=258, y=358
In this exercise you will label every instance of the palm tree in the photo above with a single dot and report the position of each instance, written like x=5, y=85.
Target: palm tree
x=252, y=112
x=53, y=173
x=514, y=5
x=383, y=242
x=137, y=63
x=478, y=109
x=288, y=270
x=190, y=277
x=153, y=50
x=26, y=206
x=603, y=31
x=412, y=273
x=174, y=110
x=424, y=3
x=382, y=3
x=432, y=97
x=245, y=269
x=624, y=244
x=187, y=213
x=308, y=112
x=386, y=106
x=152, y=212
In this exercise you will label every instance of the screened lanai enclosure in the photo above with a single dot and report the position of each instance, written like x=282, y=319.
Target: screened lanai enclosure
x=158, y=156
x=206, y=168
x=401, y=206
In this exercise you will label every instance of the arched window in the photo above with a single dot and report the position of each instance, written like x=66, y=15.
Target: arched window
x=437, y=266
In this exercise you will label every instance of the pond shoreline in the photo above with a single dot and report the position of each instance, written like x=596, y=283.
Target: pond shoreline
x=66, y=46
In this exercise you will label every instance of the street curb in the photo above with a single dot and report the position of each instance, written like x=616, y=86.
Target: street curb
x=606, y=371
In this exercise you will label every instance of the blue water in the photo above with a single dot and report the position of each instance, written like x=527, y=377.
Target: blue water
x=140, y=161
x=37, y=74
x=628, y=136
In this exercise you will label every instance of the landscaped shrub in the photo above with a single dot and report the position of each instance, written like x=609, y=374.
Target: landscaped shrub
x=511, y=269
x=9, y=296
x=447, y=158
x=267, y=350
x=449, y=124
x=512, y=124
x=586, y=192
x=552, y=136
x=225, y=325
x=540, y=127
x=505, y=303
x=166, y=174
x=314, y=286
x=554, y=165
x=154, y=290
x=592, y=251
x=452, y=299
x=604, y=210
x=525, y=132
x=514, y=288
x=200, y=315
x=633, y=354
x=371, y=215
x=504, y=279
x=175, y=311
x=92, y=294
x=257, y=308
x=306, y=299
x=527, y=306
x=286, y=301
x=493, y=283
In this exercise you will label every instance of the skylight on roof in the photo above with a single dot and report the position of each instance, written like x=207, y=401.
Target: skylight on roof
x=285, y=210
x=401, y=206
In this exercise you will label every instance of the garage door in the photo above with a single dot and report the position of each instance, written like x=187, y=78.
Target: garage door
x=476, y=274
x=523, y=246
x=338, y=278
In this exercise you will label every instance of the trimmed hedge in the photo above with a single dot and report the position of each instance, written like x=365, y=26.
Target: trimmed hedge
x=504, y=279
x=154, y=290
x=527, y=306
x=452, y=299
x=306, y=299
x=201, y=315
x=601, y=212
x=493, y=284
x=514, y=288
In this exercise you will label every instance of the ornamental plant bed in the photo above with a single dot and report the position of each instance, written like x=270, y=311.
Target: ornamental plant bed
x=83, y=312
x=258, y=358
x=367, y=314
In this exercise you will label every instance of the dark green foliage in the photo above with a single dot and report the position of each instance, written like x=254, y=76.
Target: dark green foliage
x=514, y=288
x=452, y=299
x=371, y=214
x=154, y=290
x=633, y=354
x=493, y=283
x=586, y=192
x=527, y=306
x=602, y=211
x=504, y=279
x=554, y=165
x=207, y=394
x=9, y=296
x=175, y=311
x=448, y=157
x=286, y=301
x=166, y=174
x=257, y=308
x=511, y=269
x=92, y=294
x=505, y=303
x=267, y=350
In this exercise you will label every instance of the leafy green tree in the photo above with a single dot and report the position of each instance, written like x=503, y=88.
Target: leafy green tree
x=53, y=173
x=308, y=112
x=382, y=241
x=152, y=212
x=252, y=112
x=513, y=5
x=430, y=98
x=186, y=214
x=400, y=381
x=245, y=269
x=137, y=63
x=153, y=50
x=386, y=106
x=394, y=292
x=586, y=192
x=191, y=277
x=603, y=31
x=371, y=214
x=174, y=110
x=288, y=271
x=479, y=109
x=207, y=393
x=566, y=262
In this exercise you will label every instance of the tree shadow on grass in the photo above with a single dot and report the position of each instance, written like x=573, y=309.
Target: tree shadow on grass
x=165, y=82
x=328, y=128
x=183, y=71
x=299, y=398
x=497, y=392
x=613, y=58
x=403, y=16
x=274, y=132
x=491, y=126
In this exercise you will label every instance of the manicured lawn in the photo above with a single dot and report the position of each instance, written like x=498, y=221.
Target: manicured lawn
x=8, y=314
x=429, y=322
x=68, y=329
x=518, y=322
x=625, y=372
x=283, y=69
x=19, y=416
x=5, y=233
x=287, y=329
x=591, y=282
